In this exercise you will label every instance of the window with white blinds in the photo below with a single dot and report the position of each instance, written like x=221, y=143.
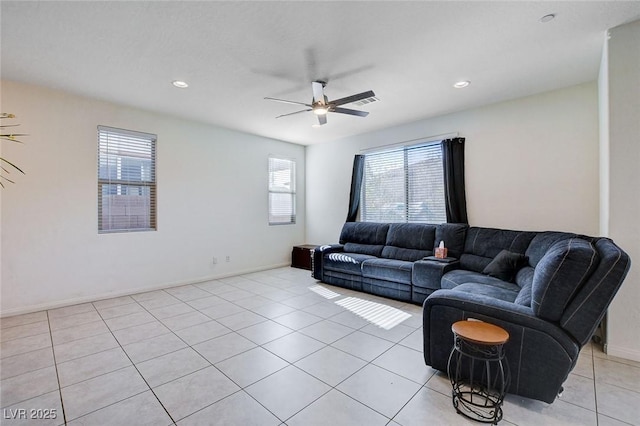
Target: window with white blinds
x=126, y=180
x=404, y=185
x=282, y=191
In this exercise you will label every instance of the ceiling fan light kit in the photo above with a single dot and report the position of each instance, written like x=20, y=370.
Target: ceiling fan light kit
x=320, y=105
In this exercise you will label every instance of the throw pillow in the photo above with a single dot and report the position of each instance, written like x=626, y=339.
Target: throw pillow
x=505, y=265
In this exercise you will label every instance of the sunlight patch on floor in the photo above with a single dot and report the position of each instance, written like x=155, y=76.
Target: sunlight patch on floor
x=381, y=315
x=324, y=292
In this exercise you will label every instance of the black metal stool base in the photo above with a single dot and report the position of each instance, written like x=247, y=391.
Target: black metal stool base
x=478, y=407
x=479, y=378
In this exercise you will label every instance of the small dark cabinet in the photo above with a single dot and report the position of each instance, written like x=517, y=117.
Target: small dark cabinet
x=301, y=256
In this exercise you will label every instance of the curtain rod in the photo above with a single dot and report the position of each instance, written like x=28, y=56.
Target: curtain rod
x=412, y=142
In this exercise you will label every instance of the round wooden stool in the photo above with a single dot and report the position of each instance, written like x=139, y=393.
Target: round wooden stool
x=478, y=370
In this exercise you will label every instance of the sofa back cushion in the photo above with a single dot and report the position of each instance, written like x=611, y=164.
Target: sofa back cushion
x=541, y=244
x=364, y=237
x=483, y=244
x=559, y=275
x=370, y=249
x=409, y=241
x=453, y=235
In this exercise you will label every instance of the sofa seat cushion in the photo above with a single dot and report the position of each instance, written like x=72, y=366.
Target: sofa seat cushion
x=508, y=295
x=458, y=277
x=559, y=275
x=346, y=262
x=388, y=270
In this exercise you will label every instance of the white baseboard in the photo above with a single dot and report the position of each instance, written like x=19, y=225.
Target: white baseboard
x=109, y=295
x=622, y=352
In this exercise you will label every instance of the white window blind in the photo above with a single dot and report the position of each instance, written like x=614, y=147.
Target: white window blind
x=126, y=180
x=404, y=185
x=282, y=191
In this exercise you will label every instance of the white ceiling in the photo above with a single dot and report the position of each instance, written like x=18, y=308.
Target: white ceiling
x=233, y=54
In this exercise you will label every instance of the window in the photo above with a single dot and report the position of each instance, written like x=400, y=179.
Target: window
x=126, y=180
x=404, y=185
x=282, y=191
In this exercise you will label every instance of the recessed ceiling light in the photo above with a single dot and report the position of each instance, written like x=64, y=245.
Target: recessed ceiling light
x=547, y=18
x=461, y=84
x=180, y=84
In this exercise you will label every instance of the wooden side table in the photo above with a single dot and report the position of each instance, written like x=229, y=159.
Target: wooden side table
x=301, y=256
x=478, y=370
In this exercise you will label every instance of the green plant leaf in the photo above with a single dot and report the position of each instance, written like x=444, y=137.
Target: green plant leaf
x=4, y=160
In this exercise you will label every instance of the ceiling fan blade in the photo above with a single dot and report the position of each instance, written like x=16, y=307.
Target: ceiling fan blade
x=288, y=102
x=353, y=98
x=322, y=119
x=349, y=111
x=293, y=113
x=318, y=92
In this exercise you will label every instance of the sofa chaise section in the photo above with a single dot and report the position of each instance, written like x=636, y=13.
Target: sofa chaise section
x=551, y=309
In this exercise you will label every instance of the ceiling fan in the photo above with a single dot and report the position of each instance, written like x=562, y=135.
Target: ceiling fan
x=321, y=105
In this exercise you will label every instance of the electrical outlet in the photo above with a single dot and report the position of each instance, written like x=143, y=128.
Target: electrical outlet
x=215, y=260
x=228, y=258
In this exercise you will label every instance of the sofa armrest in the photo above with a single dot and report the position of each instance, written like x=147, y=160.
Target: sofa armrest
x=428, y=273
x=318, y=257
x=499, y=311
x=535, y=345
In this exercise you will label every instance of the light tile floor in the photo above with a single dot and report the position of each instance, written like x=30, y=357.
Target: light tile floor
x=267, y=348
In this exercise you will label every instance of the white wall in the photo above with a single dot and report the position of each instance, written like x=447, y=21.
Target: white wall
x=603, y=117
x=212, y=201
x=623, y=145
x=531, y=164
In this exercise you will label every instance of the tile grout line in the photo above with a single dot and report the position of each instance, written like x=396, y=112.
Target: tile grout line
x=595, y=388
x=55, y=365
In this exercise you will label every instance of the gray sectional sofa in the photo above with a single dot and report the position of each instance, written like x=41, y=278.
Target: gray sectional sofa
x=388, y=259
x=549, y=290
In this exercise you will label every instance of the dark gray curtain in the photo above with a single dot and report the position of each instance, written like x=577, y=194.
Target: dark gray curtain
x=454, y=189
x=356, y=187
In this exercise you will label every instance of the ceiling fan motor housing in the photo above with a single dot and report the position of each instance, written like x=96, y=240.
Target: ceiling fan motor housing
x=320, y=104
